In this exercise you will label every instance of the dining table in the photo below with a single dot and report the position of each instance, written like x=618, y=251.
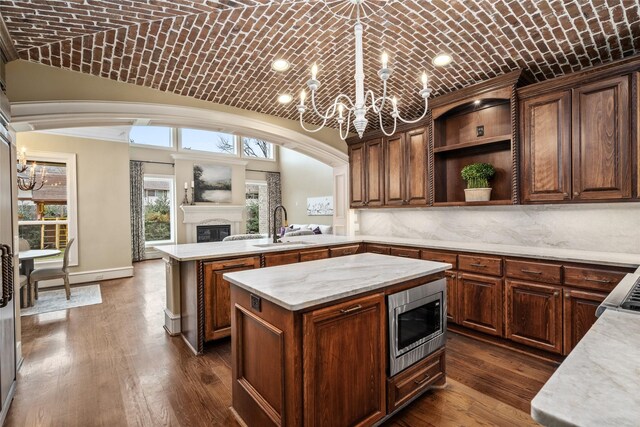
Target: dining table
x=27, y=264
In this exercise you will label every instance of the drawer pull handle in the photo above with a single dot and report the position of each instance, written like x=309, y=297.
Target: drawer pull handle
x=422, y=381
x=351, y=309
x=589, y=279
x=530, y=271
x=477, y=264
x=403, y=255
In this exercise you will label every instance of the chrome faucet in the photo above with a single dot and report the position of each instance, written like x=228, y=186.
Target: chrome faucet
x=275, y=234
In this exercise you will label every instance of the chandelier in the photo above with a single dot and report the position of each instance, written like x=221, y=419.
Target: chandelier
x=28, y=181
x=347, y=110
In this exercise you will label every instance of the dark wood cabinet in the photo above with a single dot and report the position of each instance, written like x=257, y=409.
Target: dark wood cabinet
x=366, y=161
x=217, y=317
x=602, y=158
x=452, y=296
x=480, y=299
x=314, y=254
x=357, y=175
x=348, y=389
x=534, y=315
x=546, y=146
x=282, y=258
x=377, y=249
x=405, y=252
x=415, y=379
x=345, y=250
x=579, y=315
x=406, y=168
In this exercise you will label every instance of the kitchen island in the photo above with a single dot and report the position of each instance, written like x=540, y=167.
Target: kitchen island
x=309, y=344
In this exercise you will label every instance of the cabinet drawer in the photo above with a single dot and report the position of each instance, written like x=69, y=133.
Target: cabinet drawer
x=344, y=250
x=414, y=380
x=480, y=264
x=314, y=254
x=441, y=257
x=536, y=271
x=405, y=252
x=591, y=278
x=271, y=260
x=377, y=249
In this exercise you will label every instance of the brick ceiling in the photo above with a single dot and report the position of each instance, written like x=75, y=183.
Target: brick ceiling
x=221, y=50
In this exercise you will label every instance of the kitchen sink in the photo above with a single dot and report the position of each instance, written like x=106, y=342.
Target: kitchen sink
x=273, y=245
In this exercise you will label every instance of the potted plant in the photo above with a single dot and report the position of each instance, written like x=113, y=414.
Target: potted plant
x=477, y=176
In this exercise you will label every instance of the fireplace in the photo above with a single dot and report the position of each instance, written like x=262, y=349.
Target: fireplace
x=204, y=215
x=212, y=233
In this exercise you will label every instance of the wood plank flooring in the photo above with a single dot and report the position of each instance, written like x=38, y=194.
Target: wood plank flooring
x=112, y=364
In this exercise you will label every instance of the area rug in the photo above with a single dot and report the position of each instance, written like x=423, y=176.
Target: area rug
x=56, y=300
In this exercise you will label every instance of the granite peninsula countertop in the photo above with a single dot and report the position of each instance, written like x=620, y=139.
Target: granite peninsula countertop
x=598, y=384
x=331, y=279
x=196, y=251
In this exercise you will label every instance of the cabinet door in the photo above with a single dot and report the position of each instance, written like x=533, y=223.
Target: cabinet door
x=416, y=142
x=345, y=391
x=547, y=147
x=217, y=295
x=534, y=315
x=374, y=173
x=480, y=300
x=356, y=175
x=601, y=142
x=579, y=315
x=395, y=177
x=452, y=296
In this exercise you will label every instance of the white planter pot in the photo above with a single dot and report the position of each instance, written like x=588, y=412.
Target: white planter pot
x=477, y=194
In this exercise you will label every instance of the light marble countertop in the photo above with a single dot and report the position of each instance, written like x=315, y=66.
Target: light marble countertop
x=195, y=251
x=598, y=384
x=295, y=288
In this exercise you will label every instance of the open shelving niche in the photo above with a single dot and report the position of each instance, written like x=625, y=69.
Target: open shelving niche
x=457, y=142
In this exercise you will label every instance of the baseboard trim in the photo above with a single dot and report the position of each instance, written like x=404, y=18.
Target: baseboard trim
x=19, y=358
x=90, y=276
x=171, y=323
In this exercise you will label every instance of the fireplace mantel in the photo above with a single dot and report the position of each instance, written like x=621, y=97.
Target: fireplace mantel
x=212, y=214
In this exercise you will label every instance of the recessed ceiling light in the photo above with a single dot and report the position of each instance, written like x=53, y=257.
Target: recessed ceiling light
x=280, y=65
x=477, y=101
x=285, y=98
x=442, y=60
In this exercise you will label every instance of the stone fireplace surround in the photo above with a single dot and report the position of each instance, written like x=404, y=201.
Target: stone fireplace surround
x=212, y=214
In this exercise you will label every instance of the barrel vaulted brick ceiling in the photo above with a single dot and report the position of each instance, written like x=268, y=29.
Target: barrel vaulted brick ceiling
x=221, y=50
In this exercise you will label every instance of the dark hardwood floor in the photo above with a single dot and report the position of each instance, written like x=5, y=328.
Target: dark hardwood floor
x=113, y=364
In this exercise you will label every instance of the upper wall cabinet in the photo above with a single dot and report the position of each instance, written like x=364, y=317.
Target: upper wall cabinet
x=601, y=149
x=366, y=162
x=578, y=140
x=405, y=159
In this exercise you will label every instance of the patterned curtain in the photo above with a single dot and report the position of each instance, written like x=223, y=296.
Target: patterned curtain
x=274, y=198
x=136, y=174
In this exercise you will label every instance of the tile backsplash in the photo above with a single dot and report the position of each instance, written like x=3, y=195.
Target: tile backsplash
x=610, y=227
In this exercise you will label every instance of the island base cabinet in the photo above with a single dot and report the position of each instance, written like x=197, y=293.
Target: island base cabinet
x=344, y=348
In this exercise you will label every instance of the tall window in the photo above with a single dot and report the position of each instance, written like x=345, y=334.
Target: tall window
x=257, y=207
x=158, y=205
x=47, y=214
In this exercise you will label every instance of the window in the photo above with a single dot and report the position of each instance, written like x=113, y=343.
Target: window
x=257, y=148
x=158, y=205
x=47, y=214
x=211, y=142
x=257, y=207
x=155, y=136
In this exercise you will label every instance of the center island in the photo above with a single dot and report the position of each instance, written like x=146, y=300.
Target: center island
x=310, y=343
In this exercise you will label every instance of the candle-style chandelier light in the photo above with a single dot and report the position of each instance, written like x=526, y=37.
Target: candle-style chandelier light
x=343, y=105
x=27, y=180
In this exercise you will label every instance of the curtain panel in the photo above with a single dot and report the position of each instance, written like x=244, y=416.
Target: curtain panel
x=136, y=174
x=274, y=191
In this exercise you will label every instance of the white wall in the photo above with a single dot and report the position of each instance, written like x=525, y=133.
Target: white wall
x=304, y=177
x=609, y=227
x=104, y=236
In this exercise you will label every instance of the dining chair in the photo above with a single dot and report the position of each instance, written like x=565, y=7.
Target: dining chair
x=24, y=245
x=53, y=273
